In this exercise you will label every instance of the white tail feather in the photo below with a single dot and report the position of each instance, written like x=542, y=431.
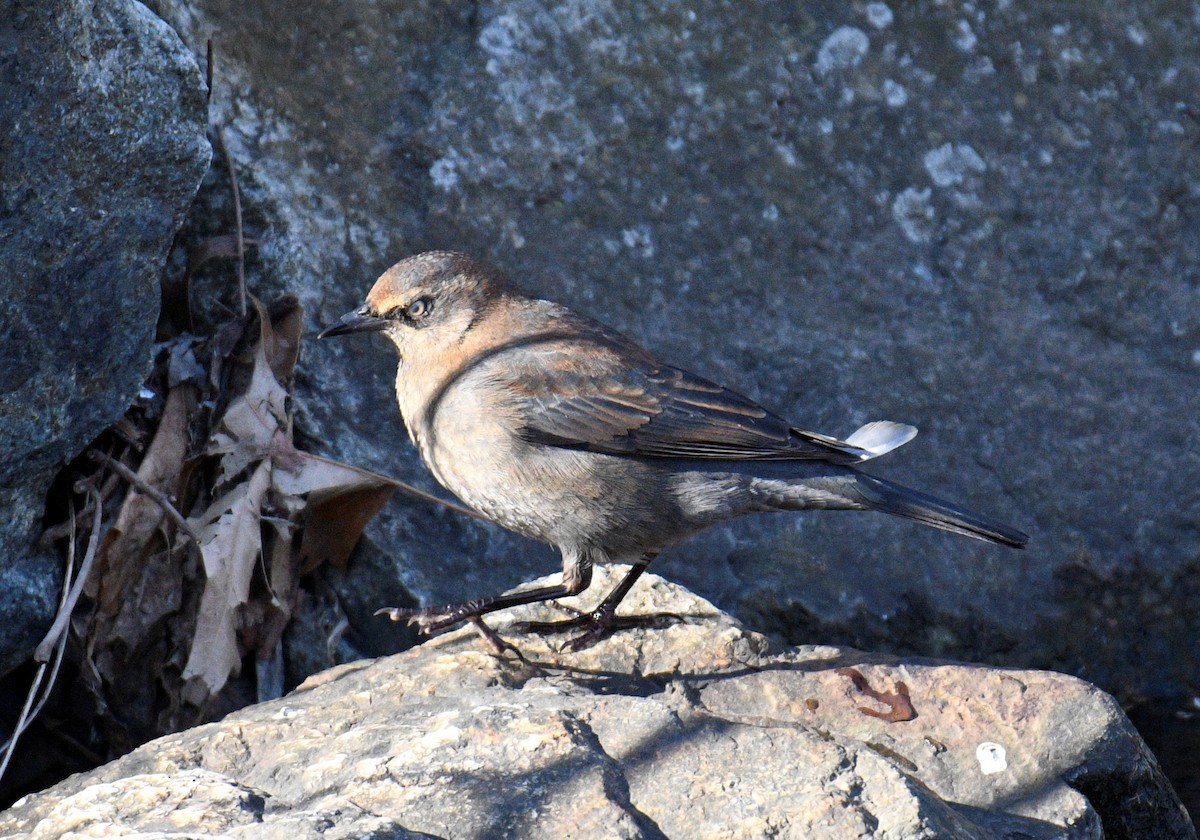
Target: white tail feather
x=881, y=437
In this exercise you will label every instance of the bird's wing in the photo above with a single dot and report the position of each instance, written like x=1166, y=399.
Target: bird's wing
x=593, y=395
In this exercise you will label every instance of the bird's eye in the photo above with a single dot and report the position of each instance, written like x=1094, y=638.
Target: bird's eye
x=419, y=308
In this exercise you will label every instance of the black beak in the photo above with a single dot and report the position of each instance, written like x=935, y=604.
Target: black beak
x=360, y=320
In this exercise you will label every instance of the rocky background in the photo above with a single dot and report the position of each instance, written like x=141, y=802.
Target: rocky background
x=977, y=218
x=101, y=149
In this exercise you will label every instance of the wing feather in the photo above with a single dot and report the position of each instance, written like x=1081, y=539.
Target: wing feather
x=603, y=396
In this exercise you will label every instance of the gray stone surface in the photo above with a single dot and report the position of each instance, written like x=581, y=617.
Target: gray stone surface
x=697, y=729
x=978, y=219
x=102, y=145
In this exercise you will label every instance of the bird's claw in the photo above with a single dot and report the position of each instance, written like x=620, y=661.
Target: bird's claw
x=428, y=620
x=574, y=612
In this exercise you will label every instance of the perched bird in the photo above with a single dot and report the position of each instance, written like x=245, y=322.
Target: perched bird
x=563, y=430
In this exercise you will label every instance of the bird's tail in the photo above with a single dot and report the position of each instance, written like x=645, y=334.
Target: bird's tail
x=881, y=495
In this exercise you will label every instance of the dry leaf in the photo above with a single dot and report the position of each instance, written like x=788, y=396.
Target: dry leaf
x=341, y=500
x=284, y=580
x=250, y=423
x=230, y=543
x=173, y=623
x=141, y=517
x=285, y=318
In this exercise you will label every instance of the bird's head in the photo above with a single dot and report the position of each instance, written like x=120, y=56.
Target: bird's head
x=425, y=304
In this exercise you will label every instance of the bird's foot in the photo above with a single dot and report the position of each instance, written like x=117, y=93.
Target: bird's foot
x=596, y=625
x=429, y=620
x=574, y=612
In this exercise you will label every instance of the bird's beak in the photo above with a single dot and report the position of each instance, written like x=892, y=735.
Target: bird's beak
x=360, y=320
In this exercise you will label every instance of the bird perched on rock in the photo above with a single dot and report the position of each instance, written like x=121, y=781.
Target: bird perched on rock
x=563, y=430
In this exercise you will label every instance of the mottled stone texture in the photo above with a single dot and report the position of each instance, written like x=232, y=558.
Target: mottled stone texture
x=699, y=729
x=102, y=146
x=978, y=218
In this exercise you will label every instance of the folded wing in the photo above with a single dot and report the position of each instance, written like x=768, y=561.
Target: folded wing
x=594, y=396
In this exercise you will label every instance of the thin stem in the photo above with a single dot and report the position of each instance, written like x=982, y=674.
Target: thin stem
x=156, y=496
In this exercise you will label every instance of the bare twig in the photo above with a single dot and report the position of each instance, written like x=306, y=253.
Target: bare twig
x=334, y=639
x=90, y=482
x=221, y=246
x=63, y=529
x=40, y=688
x=42, y=652
x=409, y=490
x=154, y=495
x=237, y=218
x=10, y=746
x=52, y=726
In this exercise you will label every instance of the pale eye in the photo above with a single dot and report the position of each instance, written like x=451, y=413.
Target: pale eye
x=419, y=308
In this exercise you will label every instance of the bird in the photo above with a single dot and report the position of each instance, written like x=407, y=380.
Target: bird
x=561, y=429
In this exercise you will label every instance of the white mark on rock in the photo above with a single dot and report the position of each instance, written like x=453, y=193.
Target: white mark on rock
x=964, y=36
x=913, y=211
x=444, y=171
x=505, y=37
x=950, y=164
x=787, y=154
x=844, y=48
x=894, y=94
x=992, y=758
x=879, y=15
x=639, y=239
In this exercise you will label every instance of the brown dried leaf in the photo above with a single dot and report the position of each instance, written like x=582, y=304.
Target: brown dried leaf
x=251, y=421
x=285, y=317
x=341, y=500
x=141, y=518
x=284, y=579
x=230, y=543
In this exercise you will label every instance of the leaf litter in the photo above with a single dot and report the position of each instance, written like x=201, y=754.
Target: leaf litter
x=207, y=519
x=198, y=520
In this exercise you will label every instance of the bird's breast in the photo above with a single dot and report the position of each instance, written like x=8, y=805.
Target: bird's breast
x=469, y=436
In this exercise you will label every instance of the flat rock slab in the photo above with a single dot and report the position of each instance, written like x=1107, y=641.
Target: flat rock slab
x=695, y=728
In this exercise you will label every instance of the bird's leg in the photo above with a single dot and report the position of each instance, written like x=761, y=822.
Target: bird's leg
x=602, y=620
x=577, y=576
x=492, y=639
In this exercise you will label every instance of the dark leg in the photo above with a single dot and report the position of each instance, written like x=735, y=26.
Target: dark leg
x=577, y=576
x=492, y=639
x=603, y=620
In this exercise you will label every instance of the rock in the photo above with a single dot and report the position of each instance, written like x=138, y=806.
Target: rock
x=698, y=728
x=973, y=221
x=102, y=145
